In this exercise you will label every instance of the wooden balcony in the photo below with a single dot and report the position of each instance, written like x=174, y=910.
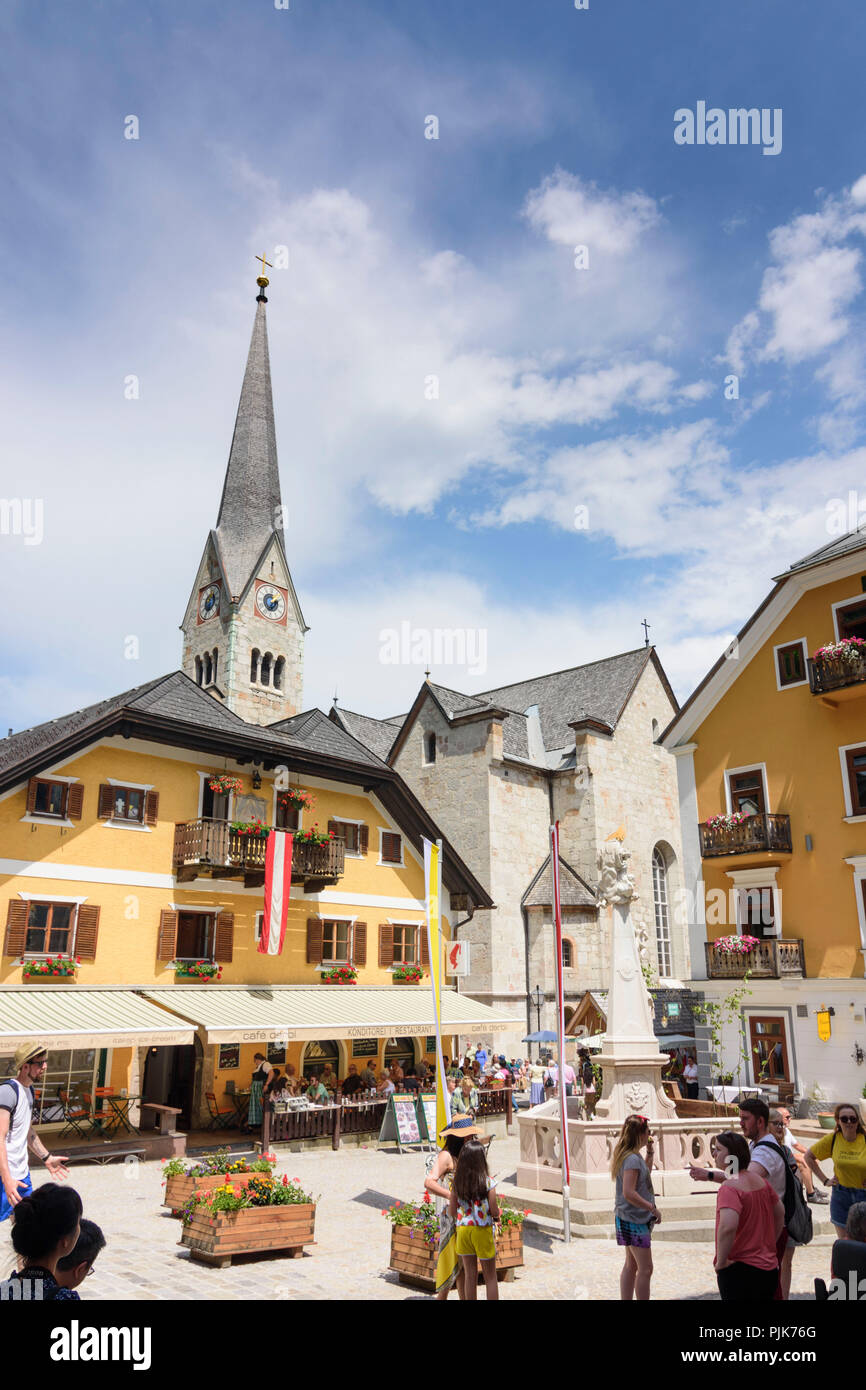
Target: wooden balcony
x=832, y=673
x=761, y=832
x=770, y=960
x=211, y=849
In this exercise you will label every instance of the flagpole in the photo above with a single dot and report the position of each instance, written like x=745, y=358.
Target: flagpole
x=433, y=903
x=560, y=1031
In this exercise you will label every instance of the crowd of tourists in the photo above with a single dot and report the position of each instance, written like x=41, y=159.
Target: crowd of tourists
x=762, y=1207
x=55, y=1244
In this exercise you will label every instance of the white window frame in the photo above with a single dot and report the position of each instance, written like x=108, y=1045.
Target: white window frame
x=391, y=863
x=350, y=854
x=665, y=941
x=858, y=864
x=300, y=824
x=844, y=603
x=201, y=782
x=350, y=941
x=747, y=880
x=40, y=817
x=793, y=685
x=747, y=767
x=851, y=817
x=73, y=932
x=419, y=927
x=119, y=824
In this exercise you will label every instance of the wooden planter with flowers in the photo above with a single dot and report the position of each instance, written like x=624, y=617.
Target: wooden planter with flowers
x=183, y=1179
x=266, y=1214
x=53, y=968
x=406, y=975
x=415, y=1243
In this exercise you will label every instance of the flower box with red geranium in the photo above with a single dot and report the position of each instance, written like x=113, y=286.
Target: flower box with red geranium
x=340, y=975
x=415, y=1241
x=296, y=800
x=203, y=970
x=252, y=829
x=267, y=1213
x=50, y=968
x=314, y=836
x=407, y=974
x=224, y=783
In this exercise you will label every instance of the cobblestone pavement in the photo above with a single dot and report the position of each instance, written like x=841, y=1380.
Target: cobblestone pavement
x=143, y=1259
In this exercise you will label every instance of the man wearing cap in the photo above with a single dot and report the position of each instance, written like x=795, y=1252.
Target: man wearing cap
x=16, y=1129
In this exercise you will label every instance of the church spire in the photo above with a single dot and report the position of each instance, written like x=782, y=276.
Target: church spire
x=250, y=508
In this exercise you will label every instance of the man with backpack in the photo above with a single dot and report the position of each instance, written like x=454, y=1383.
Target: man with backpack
x=17, y=1133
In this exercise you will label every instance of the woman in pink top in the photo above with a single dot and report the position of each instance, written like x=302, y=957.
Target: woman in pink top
x=749, y=1220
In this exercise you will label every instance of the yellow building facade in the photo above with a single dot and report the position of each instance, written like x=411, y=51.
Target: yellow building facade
x=771, y=752
x=124, y=855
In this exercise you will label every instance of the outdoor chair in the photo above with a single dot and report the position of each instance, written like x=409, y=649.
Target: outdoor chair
x=219, y=1119
x=74, y=1115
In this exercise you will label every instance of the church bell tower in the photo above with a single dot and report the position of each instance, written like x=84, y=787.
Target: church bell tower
x=243, y=630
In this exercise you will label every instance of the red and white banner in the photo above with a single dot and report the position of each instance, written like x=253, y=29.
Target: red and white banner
x=278, y=886
x=560, y=1001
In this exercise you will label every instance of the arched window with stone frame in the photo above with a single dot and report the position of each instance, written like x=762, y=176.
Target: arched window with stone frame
x=567, y=953
x=208, y=668
x=279, y=671
x=662, y=911
x=255, y=656
x=265, y=671
x=199, y=671
x=216, y=655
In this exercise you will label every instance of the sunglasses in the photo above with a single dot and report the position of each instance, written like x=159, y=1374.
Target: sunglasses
x=847, y=1119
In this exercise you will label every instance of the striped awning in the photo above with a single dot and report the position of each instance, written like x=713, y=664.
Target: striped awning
x=303, y=1013
x=64, y=1016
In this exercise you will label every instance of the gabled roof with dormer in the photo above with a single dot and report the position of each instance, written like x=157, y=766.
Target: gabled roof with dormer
x=574, y=891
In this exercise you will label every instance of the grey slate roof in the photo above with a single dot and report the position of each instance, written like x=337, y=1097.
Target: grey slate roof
x=315, y=731
x=574, y=891
x=842, y=545
x=375, y=734
x=250, y=507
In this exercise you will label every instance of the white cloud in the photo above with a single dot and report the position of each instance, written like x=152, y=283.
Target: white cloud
x=572, y=212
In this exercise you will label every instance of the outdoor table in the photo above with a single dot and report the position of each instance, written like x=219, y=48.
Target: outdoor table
x=119, y=1118
x=727, y=1094
x=241, y=1102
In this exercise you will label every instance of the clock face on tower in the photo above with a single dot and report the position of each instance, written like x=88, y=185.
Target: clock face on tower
x=208, y=602
x=271, y=602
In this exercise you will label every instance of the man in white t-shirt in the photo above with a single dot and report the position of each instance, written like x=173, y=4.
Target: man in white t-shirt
x=17, y=1133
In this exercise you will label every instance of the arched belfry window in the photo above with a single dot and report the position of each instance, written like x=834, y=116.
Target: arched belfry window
x=208, y=668
x=254, y=664
x=279, y=669
x=199, y=672
x=662, y=914
x=265, y=672
x=216, y=653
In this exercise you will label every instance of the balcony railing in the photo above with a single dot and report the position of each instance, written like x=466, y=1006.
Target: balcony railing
x=760, y=832
x=837, y=673
x=211, y=849
x=771, y=959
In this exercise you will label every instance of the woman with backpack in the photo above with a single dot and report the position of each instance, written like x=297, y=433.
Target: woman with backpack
x=749, y=1222
x=846, y=1146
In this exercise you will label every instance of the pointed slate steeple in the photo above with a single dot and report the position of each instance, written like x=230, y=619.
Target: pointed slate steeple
x=250, y=508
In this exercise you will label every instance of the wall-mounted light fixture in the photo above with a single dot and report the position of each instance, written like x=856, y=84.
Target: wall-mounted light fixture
x=257, y=779
x=858, y=1054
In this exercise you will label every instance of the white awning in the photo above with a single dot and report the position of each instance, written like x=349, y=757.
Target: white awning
x=64, y=1016
x=304, y=1013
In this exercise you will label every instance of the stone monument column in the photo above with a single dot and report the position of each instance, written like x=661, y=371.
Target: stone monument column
x=630, y=1058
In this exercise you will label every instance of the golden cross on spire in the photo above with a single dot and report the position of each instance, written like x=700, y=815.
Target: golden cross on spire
x=264, y=263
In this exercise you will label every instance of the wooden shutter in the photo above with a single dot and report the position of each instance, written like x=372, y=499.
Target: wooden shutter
x=363, y=839
x=314, y=941
x=88, y=930
x=391, y=847
x=225, y=936
x=16, y=927
x=75, y=801
x=386, y=944
x=166, y=942
x=337, y=828
x=359, y=944
x=31, y=795
x=151, y=808
x=425, y=945
x=105, y=807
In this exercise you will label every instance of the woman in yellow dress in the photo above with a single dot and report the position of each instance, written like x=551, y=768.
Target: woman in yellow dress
x=449, y=1270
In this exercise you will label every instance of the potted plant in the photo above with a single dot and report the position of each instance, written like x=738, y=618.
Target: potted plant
x=50, y=968
x=296, y=800
x=203, y=970
x=848, y=651
x=314, y=836
x=224, y=783
x=181, y=1179
x=252, y=828
x=340, y=975
x=406, y=974
x=727, y=820
x=415, y=1241
x=736, y=945
x=265, y=1213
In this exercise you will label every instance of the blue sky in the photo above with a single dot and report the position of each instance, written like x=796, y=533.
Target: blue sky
x=410, y=258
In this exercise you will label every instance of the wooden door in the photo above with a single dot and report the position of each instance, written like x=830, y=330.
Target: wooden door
x=769, y=1044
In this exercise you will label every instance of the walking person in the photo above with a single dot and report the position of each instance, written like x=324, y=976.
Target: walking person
x=749, y=1223
x=846, y=1146
x=439, y=1182
x=797, y=1151
x=17, y=1132
x=45, y=1227
x=690, y=1078
x=536, y=1083
x=474, y=1208
x=635, y=1211
x=260, y=1079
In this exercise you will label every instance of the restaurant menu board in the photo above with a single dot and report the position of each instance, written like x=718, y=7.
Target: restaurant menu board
x=401, y=1122
x=365, y=1047
x=427, y=1116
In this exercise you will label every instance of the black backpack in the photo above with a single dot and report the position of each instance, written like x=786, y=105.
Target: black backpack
x=798, y=1217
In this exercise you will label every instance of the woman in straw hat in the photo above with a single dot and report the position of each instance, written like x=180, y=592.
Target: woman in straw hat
x=449, y=1269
